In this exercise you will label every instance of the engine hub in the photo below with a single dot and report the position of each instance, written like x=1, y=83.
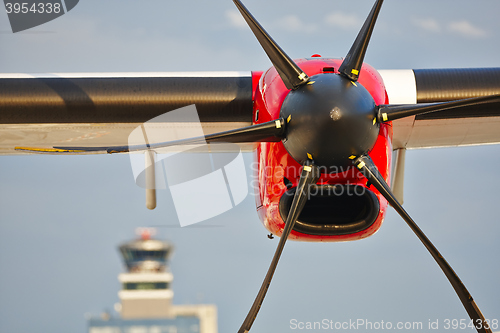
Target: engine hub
x=330, y=120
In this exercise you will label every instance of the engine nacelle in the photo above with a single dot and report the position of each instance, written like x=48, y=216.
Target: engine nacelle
x=341, y=207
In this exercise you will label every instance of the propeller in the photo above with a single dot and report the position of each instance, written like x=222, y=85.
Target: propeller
x=370, y=171
x=330, y=110
x=351, y=66
x=291, y=74
x=271, y=131
x=308, y=176
x=392, y=112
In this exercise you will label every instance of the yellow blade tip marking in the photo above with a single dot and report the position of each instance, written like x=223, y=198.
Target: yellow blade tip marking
x=289, y=118
x=309, y=156
x=374, y=120
x=352, y=157
x=49, y=150
x=354, y=83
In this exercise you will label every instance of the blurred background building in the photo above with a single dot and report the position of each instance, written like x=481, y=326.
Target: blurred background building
x=146, y=295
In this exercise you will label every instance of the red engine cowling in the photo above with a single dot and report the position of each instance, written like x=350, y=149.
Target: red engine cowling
x=340, y=207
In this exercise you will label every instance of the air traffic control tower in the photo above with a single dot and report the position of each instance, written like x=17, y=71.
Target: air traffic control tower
x=146, y=291
x=146, y=295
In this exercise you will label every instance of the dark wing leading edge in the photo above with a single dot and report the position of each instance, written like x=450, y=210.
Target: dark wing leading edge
x=95, y=110
x=472, y=125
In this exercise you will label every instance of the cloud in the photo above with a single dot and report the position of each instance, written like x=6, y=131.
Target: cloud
x=235, y=19
x=466, y=29
x=343, y=20
x=463, y=28
x=294, y=24
x=427, y=24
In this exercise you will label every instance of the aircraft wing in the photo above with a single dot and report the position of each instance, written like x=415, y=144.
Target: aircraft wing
x=92, y=110
x=470, y=126
x=95, y=110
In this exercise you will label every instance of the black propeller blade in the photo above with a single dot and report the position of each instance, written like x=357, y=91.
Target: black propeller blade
x=370, y=171
x=309, y=176
x=354, y=59
x=271, y=131
x=392, y=112
x=290, y=73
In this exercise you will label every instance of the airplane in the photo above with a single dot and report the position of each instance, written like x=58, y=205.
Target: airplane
x=335, y=74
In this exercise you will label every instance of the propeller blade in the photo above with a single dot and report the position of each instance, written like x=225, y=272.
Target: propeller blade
x=354, y=59
x=309, y=175
x=392, y=112
x=290, y=73
x=271, y=131
x=370, y=171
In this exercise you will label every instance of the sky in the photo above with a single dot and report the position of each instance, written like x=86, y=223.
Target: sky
x=62, y=217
